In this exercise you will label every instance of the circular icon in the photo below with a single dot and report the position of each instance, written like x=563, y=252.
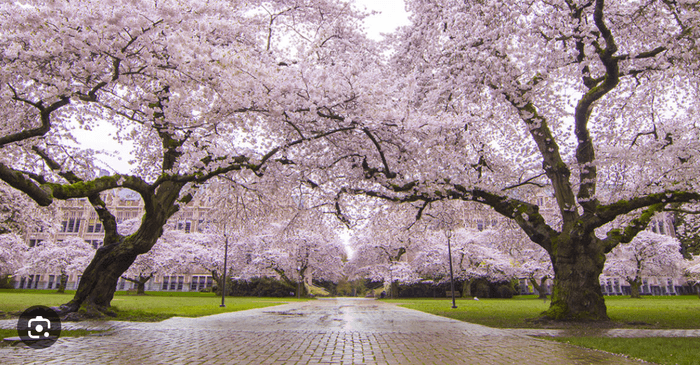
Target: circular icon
x=39, y=327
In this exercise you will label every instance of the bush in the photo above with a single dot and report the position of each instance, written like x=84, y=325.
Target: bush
x=259, y=287
x=7, y=282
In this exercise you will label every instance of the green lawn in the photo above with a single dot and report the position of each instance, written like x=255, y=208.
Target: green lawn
x=155, y=306
x=682, y=351
x=648, y=312
x=682, y=312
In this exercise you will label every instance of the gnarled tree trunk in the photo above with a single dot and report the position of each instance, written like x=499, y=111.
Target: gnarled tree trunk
x=577, y=294
x=99, y=281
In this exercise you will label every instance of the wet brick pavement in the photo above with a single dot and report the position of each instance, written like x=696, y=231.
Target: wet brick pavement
x=328, y=331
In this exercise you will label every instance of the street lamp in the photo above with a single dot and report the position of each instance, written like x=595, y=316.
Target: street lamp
x=448, y=233
x=223, y=287
x=299, y=282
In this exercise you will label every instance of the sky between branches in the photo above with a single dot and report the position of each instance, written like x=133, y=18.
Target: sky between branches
x=392, y=14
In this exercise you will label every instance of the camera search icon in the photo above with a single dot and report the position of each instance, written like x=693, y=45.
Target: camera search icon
x=39, y=327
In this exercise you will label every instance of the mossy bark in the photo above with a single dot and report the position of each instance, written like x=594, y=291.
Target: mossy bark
x=576, y=292
x=99, y=281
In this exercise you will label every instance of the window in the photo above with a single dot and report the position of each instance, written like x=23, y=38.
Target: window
x=480, y=225
x=51, y=280
x=184, y=225
x=95, y=226
x=96, y=243
x=32, y=282
x=72, y=223
x=200, y=282
x=35, y=242
x=77, y=281
x=173, y=282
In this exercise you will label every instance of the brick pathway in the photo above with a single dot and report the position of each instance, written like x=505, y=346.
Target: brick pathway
x=342, y=331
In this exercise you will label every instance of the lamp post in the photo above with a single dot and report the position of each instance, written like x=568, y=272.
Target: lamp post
x=299, y=282
x=448, y=233
x=223, y=286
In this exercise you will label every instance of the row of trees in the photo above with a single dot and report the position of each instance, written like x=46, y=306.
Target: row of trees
x=385, y=252
x=473, y=101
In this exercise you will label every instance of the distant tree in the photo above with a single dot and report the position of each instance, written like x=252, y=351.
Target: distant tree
x=13, y=253
x=474, y=255
x=529, y=259
x=72, y=254
x=648, y=254
x=381, y=247
x=691, y=271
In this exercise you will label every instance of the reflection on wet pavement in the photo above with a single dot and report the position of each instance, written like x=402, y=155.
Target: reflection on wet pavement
x=324, y=331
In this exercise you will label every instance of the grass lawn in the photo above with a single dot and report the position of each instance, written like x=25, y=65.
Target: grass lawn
x=649, y=312
x=681, y=312
x=682, y=351
x=155, y=306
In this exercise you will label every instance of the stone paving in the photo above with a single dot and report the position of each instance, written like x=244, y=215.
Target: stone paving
x=329, y=331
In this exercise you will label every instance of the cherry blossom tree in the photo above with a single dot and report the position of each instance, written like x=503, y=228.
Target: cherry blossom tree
x=648, y=254
x=691, y=270
x=201, y=89
x=13, y=253
x=382, y=246
x=72, y=254
x=21, y=215
x=594, y=100
x=300, y=242
x=174, y=252
x=475, y=255
x=528, y=259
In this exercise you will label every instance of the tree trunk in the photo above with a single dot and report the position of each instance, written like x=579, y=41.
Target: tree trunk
x=467, y=288
x=140, y=283
x=539, y=287
x=141, y=287
x=576, y=294
x=394, y=290
x=301, y=287
x=99, y=281
x=635, y=284
x=62, y=283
